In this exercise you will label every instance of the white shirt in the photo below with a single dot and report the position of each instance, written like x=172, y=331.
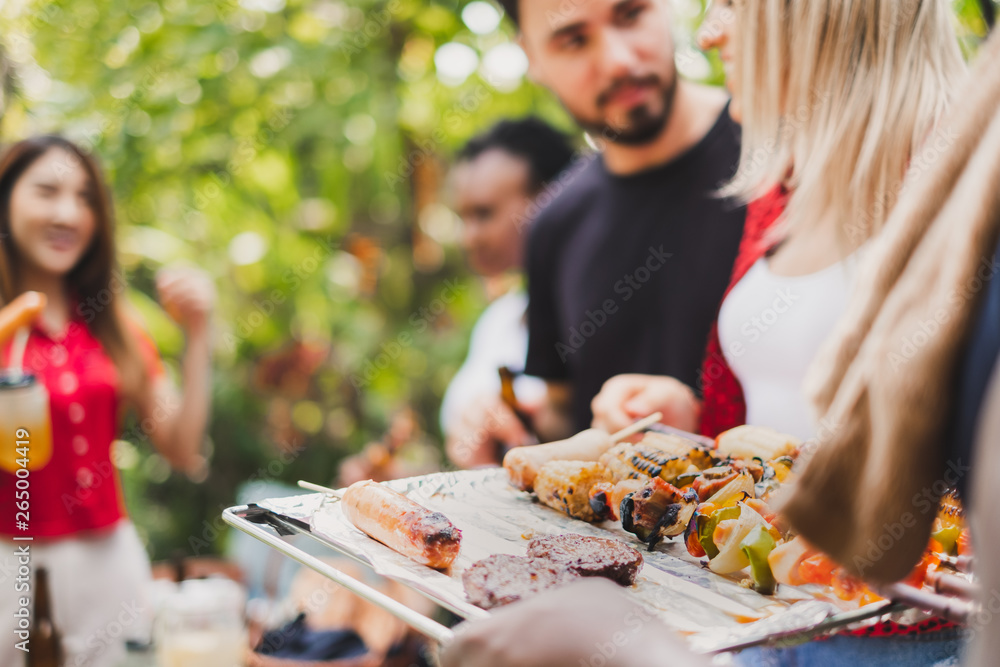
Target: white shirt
x=500, y=338
x=771, y=328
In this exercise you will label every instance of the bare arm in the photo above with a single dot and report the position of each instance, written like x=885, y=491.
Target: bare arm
x=176, y=420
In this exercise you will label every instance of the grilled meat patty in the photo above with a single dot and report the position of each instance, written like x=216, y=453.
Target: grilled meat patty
x=589, y=556
x=551, y=561
x=501, y=579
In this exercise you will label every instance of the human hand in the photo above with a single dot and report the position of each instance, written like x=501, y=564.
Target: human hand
x=188, y=296
x=626, y=398
x=586, y=623
x=483, y=427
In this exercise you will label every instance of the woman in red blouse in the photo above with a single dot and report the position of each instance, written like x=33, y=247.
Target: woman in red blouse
x=57, y=228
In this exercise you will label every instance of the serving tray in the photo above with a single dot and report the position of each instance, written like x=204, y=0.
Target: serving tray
x=716, y=613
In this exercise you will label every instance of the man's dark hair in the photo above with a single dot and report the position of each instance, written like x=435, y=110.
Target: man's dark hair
x=510, y=7
x=547, y=151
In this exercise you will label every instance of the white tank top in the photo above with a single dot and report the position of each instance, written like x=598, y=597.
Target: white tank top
x=771, y=328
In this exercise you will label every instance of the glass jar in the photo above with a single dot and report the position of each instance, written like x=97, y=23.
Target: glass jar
x=25, y=423
x=201, y=625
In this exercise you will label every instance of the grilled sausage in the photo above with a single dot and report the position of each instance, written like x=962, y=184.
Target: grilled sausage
x=523, y=463
x=402, y=525
x=20, y=313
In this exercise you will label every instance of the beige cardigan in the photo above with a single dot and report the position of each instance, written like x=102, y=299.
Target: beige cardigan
x=883, y=382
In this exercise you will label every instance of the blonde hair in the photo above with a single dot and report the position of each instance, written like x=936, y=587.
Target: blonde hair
x=837, y=97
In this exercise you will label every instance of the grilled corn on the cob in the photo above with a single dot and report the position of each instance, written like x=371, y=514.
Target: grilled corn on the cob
x=755, y=442
x=565, y=486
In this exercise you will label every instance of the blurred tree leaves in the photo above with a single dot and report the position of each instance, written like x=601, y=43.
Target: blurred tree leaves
x=293, y=149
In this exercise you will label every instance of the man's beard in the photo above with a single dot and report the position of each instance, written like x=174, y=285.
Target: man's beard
x=642, y=126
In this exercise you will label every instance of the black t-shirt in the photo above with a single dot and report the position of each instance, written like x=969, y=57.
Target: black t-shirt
x=626, y=273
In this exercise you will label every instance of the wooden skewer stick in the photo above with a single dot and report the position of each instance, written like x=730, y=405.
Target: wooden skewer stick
x=947, y=607
x=321, y=489
x=640, y=425
x=952, y=585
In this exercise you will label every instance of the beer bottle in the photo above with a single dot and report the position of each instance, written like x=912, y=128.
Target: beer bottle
x=510, y=400
x=44, y=641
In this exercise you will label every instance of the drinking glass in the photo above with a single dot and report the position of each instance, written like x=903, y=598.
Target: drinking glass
x=25, y=423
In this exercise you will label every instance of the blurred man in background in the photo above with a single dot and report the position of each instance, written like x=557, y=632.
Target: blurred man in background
x=628, y=264
x=496, y=181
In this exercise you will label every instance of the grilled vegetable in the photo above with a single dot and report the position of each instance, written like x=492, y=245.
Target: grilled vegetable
x=756, y=546
x=625, y=461
x=657, y=510
x=755, y=442
x=728, y=535
x=524, y=463
x=782, y=467
x=736, y=490
x=640, y=461
x=606, y=497
x=774, y=473
x=677, y=446
x=754, y=468
x=687, y=479
x=817, y=569
x=712, y=480
x=566, y=485
x=947, y=537
x=600, y=500
x=708, y=523
x=696, y=528
x=786, y=559
x=950, y=510
x=930, y=561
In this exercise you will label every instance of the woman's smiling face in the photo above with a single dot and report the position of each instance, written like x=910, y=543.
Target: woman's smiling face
x=52, y=219
x=719, y=31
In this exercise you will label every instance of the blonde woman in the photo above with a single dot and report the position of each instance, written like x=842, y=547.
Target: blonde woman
x=825, y=149
x=838, y=101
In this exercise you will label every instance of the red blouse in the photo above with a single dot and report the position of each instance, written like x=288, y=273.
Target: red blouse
x=723, y=405
x=79, y=489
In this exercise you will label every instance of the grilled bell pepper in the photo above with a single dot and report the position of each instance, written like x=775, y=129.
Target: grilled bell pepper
x=707, y=528
x=947, y=537
x=756, y=546
x=692, y=534
x=817, y=569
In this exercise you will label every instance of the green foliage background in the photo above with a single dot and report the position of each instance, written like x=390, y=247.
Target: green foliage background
x=303, y=124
